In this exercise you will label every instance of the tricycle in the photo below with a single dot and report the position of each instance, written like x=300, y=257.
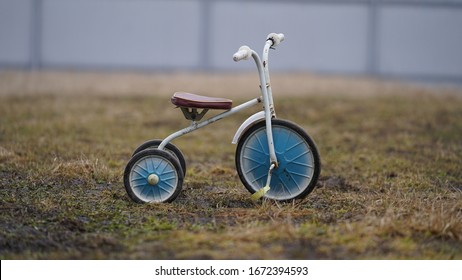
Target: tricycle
x=275, y=159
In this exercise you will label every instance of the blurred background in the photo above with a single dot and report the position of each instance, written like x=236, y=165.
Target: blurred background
x=411, y=40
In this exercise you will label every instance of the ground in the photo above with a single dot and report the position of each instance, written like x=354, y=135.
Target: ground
x=390, y=186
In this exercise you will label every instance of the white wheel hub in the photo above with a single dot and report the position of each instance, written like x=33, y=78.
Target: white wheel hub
x=153, y=179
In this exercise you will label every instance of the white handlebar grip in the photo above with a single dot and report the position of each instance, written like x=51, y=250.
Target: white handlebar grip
x=276, y=38
x=281, y=37
x=244, y=52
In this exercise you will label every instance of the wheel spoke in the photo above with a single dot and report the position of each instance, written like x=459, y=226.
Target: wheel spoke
x=299, y=174
x=163, y=168
x=168, y=184
x=287, y=139
x=158, y=190
x=139, y=173
x=137, y=179
x=139, y=186
x=153, y=194
x=168, y=172
x=302, y=164
x=143, y=168
x=284, y=185
x=169, y=178
x=251, y=159
x=143, y=190
x=256, y=150
x=259, y=142
x=153, y=163
x=255, y=167
x=300, y=155
x=161, y=188
x=259, y=178
x=146, y=165
x=293, y=146
x=293, y=179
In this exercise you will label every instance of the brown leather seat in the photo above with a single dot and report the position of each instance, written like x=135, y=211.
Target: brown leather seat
x=189, y=100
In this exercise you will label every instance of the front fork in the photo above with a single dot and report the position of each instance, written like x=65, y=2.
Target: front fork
x=269, y=113
x=267, y=94
x=269, y=136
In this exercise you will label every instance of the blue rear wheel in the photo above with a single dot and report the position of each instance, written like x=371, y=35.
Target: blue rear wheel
x=153, y=176
x=172, y=149
x=298, y=160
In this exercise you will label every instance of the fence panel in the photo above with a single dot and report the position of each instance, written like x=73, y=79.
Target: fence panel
x=416, y=39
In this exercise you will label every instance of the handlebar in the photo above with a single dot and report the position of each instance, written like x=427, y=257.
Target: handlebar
x=244, y=52
x=275, y=38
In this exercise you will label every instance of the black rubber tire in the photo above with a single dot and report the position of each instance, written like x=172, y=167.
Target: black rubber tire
x=295, y=129
x=169, y=147
x=166, y=157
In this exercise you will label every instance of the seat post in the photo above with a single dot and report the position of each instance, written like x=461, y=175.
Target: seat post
x=193, y=114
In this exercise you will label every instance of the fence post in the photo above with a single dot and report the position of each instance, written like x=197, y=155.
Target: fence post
x=35, y=46
x=373, y=37
x=205, y=38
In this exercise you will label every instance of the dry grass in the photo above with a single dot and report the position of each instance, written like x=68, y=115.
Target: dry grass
x=226, y=85
x=390, y=188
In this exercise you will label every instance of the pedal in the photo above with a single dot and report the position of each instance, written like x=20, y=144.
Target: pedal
x=261, y=192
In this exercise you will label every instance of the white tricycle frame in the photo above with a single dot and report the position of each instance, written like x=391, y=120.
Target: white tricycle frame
x=141, y=170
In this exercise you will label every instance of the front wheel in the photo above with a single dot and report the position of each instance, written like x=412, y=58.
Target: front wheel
x=298, y=159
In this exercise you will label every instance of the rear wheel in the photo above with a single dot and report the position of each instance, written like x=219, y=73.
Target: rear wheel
x=298, y=159
x=172, y=149
x=153, y=176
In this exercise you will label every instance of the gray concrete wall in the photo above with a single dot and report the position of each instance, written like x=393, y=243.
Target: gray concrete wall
x=391, y=38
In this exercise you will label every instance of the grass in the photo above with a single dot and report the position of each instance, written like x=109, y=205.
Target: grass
x=390, y=187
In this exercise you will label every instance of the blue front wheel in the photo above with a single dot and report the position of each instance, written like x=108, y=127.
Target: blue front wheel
x=298, y=159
